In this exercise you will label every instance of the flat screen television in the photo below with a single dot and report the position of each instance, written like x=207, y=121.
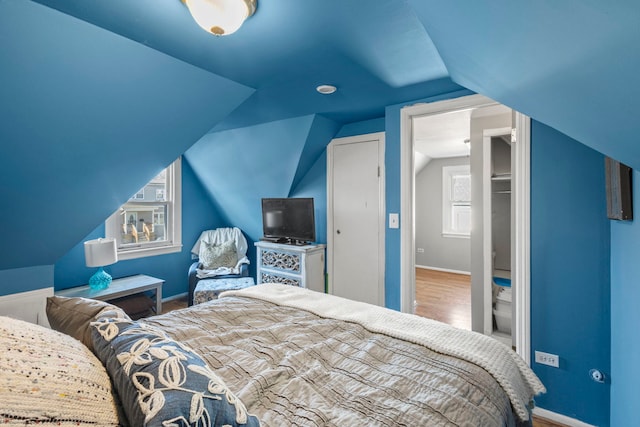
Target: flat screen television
x=288, y=220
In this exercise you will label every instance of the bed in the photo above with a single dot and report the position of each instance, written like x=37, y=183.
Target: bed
x=276, y=355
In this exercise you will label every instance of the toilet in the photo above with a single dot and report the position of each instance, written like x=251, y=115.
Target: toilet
x=502, y=304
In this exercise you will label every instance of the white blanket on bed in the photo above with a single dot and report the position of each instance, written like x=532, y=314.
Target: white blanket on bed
x=510, y=371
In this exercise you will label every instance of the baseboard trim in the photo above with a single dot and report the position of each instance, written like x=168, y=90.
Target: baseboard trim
x=174, y=297
x=559, y=418
x=445, y=270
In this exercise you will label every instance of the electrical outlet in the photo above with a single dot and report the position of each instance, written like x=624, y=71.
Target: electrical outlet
x=420, y=250
x=547, y=359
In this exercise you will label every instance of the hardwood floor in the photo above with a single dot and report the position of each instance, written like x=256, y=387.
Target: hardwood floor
x=444, y=296
x=542, y=422
x=174, y=304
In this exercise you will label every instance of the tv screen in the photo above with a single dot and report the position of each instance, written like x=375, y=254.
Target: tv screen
x=289, y=218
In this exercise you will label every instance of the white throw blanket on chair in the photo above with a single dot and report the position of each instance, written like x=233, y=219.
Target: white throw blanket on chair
x=219, y=236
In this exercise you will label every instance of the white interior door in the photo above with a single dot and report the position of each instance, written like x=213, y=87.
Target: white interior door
x=355, y=218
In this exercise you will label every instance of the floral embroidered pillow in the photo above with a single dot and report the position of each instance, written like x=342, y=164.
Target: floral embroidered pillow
x=214, y=256
x=161, y=382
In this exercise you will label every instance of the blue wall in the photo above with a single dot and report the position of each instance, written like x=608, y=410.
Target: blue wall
x=240, y=166
x=25, y=279
x=362, y=128
x=231, y=174
x=87, y=119
x=198, y=214
x=625, y=315
x=314, y=184
x=570, y=273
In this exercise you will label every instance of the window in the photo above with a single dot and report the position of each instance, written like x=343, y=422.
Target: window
x=456, y=201
x=150, y=222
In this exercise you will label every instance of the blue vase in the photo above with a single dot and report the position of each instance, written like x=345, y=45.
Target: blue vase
x=100, y=280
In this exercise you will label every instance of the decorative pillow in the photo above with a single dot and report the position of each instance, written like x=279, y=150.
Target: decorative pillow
x=72, y=316
x=162, y=382
x=214, y=256
x=49, y=378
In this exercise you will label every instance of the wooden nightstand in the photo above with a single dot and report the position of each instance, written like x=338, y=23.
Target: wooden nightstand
x=121, y=288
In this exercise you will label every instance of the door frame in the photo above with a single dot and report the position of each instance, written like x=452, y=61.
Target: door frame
x=380, y=138
x=520, y=186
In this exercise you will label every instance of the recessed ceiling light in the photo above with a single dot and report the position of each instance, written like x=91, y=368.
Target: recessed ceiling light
x=326, y=89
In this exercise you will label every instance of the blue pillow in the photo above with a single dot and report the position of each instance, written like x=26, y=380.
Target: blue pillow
x=161, y=381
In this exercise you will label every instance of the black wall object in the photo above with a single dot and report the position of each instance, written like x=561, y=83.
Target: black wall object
x=619, y=194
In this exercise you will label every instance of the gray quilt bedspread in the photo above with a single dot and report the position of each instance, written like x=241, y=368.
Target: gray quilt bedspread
x=291, y=367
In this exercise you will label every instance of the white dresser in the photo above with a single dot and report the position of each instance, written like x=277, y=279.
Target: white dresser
x=301, y=266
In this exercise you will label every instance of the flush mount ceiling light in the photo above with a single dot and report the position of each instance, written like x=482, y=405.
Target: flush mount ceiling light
x=220, y=17
x=326, y=89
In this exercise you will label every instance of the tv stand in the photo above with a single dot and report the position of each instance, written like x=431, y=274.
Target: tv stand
x=291, y=264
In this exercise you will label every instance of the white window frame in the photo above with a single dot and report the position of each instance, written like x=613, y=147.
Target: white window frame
x=173, y=221
x=448, y=172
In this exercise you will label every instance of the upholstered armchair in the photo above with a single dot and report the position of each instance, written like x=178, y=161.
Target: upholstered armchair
x=213, y=249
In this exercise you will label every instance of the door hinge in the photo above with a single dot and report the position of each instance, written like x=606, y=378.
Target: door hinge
x=513, y=135
x=378, y=171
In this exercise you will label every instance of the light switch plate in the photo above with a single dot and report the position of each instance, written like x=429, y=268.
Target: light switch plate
x=394, y=220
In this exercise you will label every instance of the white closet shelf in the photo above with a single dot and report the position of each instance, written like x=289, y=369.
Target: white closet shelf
x=501, y=177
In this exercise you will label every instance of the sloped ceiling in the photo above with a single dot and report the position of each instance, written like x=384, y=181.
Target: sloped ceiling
x=376, y=53
x=570, y=64
x=240, y=166
x=87, y=119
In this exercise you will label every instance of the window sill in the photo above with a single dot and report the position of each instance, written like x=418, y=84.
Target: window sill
x=456, y=235
x=147, y=252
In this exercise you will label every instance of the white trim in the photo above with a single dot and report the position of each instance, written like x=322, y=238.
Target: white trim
x=559, y=418
x=175, y=297
x=380, y=138
x=521, y=190
x=151, y=251
x=487, y=241
x=29, y=306
x=448, y=172
x=444, y=270
x=173, y=228
x=407, y=207
x=456, y=236
x=522, y=182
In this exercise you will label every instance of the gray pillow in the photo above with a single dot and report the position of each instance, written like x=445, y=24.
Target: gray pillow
x=72, y=316
x=214, y=256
